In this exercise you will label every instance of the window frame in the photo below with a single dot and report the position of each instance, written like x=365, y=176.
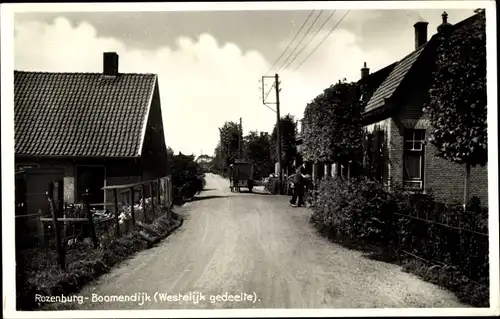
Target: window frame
x=416, y=138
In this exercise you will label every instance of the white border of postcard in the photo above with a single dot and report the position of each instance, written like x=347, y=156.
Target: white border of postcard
x=7, y=122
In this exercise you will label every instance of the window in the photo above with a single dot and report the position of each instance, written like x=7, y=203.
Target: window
x=413, y=175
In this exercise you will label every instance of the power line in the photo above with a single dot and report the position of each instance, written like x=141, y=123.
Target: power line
x=310, y=40
x=324, y=39
x=297, y=46
x=289, y=44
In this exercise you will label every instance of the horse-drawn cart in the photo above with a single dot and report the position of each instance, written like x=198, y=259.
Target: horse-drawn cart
x=241, y=175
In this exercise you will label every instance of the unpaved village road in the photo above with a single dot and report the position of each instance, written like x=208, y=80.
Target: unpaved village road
x=256, y=243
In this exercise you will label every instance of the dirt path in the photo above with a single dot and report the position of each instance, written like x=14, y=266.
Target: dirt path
x=257, y=245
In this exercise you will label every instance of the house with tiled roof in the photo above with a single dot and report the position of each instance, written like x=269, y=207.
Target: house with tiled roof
x=395, y=109
x=394, y=97
x=205, y=162
x=88, y=130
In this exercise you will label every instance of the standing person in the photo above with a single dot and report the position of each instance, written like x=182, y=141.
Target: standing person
x=298, y=191
x=231, y=181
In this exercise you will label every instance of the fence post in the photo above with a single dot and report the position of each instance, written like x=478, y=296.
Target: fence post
x=117, y=220
x=65, y=227
x=153, y=212
x=143, y=194
x=41, y=230
x=59, y=248
x=88, y=212
x=132, y=197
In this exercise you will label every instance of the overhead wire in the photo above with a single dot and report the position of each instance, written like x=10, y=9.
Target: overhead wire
x=289, y=44
x=312, y=38
x=324, y=39
x=300, y=41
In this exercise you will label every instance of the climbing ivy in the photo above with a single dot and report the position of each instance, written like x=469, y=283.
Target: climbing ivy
x=457, y=103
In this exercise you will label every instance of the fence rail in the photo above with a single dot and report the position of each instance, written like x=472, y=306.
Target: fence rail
x=63, y=224
x=440, y=243
x=443, y=225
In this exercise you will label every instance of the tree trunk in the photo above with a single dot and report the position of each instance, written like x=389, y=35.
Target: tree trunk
x=334, y=170
x=466, y=185
x=315, y=173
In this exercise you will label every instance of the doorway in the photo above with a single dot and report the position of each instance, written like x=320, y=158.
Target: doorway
x=91, y=178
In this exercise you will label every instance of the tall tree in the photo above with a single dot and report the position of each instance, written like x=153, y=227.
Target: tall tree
x=457, y=101
x=257, y=150
x=288, y=130
x=218, y=161
x=332, y=124
x=230, y=134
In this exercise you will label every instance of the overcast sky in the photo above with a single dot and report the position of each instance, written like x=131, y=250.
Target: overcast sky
x=209, y=63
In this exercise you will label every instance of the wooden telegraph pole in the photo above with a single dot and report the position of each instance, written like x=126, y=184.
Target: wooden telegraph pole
x=278, y=133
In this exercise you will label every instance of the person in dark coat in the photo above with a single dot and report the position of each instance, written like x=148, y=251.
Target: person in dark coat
x=298, y=191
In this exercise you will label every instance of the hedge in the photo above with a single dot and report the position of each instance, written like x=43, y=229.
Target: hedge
x=362, y=211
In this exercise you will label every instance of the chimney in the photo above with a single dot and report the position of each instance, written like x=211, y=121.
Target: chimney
x=420, y=33
x=110, y=64
x=445, y=26
x=365, y=71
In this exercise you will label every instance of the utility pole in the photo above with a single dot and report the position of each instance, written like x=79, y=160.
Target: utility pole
x=278, y=133
x=278, y=120
x=240, y=140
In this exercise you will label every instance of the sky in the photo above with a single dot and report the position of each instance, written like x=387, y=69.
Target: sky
x=210, y=64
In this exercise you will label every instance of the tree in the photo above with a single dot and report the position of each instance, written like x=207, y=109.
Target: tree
x=218, y=161
x=186, y=176
x=230, y=134
x=288, y=130
x=170, y=152
x=457, y=100
x=332, y=125
x=257, y=149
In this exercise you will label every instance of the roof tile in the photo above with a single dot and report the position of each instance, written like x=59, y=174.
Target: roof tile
x=80, y=114
x=391, y=83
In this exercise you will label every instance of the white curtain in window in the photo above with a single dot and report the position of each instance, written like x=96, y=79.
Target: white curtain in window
x=412, y=165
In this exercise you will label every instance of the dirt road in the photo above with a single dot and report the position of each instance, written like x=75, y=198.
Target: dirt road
x=256, y=245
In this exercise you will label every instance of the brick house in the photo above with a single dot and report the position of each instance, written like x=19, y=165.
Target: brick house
x=395, y=108
x=88, y=130
x=395, y=96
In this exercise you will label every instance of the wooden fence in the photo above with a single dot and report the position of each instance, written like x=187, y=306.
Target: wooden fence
x=440, y=238
x=66, y=224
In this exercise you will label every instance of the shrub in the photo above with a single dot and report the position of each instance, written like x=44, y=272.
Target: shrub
x=363, y=212
x=187, y=176
x=359, y=209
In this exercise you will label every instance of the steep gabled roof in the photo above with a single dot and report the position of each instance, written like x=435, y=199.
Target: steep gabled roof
x=391, y=83
x=402, y=69
x=371, y=82
x=81, y=114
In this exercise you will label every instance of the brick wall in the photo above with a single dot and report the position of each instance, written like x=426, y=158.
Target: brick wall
x=446, y=179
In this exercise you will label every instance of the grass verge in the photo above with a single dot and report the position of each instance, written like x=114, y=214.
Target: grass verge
x=84, y=264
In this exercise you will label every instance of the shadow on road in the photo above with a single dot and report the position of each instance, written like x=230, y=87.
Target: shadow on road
x=209, y=189
x=195, y=199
